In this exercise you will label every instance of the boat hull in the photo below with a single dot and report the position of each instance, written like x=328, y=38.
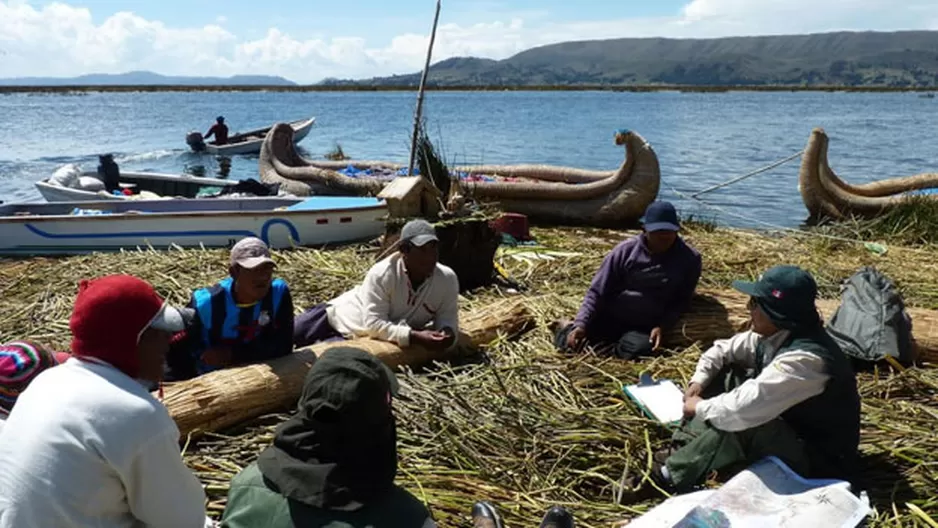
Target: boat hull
x=828, y=197
x=49, y=229
x=252, y=145
x=546, y=194
x=168, y=185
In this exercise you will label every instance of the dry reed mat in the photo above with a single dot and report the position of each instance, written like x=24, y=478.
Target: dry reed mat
x=526, y=427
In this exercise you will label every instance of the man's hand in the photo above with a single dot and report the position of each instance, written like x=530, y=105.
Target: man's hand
x=693, y=390
x=451, y=337
x=690, y=406
x=576, y=338
x=218, y=357
x=655, y=337
x=431, y=339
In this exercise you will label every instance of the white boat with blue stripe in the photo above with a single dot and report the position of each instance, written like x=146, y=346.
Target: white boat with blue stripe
x=82, y=227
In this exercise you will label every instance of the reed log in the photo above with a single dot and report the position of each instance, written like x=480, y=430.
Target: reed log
x=225, y=398
x=718, y=314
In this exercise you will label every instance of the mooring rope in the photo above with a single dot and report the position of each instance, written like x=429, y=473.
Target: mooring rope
x=749, y=175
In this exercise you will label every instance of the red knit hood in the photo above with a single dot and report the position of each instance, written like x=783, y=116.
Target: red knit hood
x=109, y=316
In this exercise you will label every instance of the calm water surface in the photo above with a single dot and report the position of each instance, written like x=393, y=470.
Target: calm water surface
x=700, y=139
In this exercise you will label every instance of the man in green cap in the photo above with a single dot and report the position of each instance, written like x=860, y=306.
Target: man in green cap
x=783, y=388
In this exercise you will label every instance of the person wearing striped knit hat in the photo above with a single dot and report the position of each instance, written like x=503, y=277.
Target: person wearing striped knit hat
x=20, y=363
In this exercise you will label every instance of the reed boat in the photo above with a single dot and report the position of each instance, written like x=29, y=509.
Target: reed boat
x=545, y=193
x=828, y=197
x=246, y=142
x=84, y=227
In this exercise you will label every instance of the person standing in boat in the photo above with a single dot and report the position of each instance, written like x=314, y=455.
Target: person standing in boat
x=407, y=298
x=641, y=289
x=219, y=130
x=245, y=318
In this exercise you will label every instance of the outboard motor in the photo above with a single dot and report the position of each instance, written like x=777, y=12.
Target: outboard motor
x=195, y=141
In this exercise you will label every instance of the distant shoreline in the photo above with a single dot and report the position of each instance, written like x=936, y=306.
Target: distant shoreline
x=65, y=89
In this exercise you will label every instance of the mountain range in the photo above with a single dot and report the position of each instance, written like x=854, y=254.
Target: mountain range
x=145, y=78
x=904, y=58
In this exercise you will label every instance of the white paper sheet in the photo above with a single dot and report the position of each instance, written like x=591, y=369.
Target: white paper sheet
x=766, y=495
x=663, y=400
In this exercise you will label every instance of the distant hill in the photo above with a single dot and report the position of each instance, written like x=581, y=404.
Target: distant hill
x=145, y=78
x=905, y=58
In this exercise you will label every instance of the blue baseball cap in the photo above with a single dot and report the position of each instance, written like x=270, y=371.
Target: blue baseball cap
x=661, y=216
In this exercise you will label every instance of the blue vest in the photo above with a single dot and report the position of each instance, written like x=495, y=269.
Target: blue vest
x=221, y=316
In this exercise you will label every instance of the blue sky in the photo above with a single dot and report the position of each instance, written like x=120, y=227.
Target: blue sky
x=307, y=41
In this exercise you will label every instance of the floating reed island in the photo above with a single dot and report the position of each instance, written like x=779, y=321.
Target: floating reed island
x=523, y=426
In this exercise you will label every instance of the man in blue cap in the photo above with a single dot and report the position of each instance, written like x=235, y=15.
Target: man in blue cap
x=783, y=388
x=641, y=289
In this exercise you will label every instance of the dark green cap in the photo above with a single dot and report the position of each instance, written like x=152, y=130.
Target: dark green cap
x=786, y=294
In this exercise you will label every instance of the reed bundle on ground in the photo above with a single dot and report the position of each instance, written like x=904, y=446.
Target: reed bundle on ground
x=526, y=427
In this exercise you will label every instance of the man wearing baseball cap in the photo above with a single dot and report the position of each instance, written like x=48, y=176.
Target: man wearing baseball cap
x=87, y=444
x=641, y=289
x=406, y=298
x=334, y=462
x=245, y=318
x=20, y=363
x=783, y=388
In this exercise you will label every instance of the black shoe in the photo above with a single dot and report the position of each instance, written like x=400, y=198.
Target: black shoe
x=484, y=515
x=636, y=491
x=558, y=517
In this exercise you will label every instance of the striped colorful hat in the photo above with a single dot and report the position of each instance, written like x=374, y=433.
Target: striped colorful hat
x=20, y=363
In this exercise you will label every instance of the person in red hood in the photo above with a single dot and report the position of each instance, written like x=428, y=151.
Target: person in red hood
x=93, y=447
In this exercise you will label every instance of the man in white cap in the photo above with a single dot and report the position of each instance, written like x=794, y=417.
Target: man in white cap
x=87, y=444
x=407, y=298
x=245, y=318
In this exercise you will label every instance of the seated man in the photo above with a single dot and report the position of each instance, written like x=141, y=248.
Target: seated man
x=406, y=298
x=332, y=464
x=245, y=318
x=641, y=289
x=20, y=363
x=93, y=447
x=219, y=130
x=783, y=388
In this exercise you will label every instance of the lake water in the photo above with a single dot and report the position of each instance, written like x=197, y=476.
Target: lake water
x=700, y=139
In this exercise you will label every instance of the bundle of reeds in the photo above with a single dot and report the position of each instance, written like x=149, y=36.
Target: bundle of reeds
x=228, y=397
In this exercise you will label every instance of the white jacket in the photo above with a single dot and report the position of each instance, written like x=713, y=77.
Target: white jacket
x=87, y=446
x=785, y=382
x=385, y=306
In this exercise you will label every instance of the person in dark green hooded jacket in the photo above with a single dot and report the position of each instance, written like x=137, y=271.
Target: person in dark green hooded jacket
x=333, y=464
x=784, y=388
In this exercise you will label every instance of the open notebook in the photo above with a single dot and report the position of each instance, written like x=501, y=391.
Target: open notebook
x=661, y=400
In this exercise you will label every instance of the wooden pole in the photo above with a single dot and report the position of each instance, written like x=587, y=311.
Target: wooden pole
x=423, y=84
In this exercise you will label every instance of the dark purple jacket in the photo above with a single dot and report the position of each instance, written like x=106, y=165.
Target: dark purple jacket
x=635, y=290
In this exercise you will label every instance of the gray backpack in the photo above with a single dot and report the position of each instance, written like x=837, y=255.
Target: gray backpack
x=871, y=322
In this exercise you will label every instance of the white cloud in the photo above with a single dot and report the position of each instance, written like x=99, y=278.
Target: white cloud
x=62, y=40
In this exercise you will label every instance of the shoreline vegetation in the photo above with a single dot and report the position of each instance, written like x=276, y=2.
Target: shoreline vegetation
x=527, y=427
x=69, y=89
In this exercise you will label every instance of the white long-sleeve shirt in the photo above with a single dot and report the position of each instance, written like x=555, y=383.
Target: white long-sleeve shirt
x=385, y=306
x=788, y=380
x=88, y=446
